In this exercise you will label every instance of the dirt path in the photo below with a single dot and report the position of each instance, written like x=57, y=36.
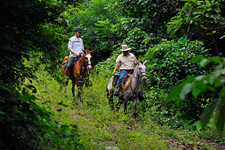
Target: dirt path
x=89, y=127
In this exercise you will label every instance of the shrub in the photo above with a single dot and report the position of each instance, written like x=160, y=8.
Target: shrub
x=25, y=125
x=169, y=64
x=213, y=81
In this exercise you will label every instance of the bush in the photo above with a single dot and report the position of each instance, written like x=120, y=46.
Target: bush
x=169, y=64
x=25, y=125
x=214, y=82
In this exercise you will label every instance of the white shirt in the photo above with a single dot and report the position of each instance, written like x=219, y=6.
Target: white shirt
x=76, y=44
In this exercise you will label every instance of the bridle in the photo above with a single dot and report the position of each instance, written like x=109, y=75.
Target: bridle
x=142, y=73
x=88, y=60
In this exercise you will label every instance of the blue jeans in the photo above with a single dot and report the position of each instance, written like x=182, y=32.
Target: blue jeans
x=123, y=73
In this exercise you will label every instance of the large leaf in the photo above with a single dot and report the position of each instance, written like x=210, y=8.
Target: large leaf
x=204, y=62
x=197, y=58
x=176, y=90
x=207, y=2
x=207, y=113
x=215, y=74
x=216, y=59
x=222, y=93
x=185, y=90
x=221, y=116
x=198, y=88
x=28, y=97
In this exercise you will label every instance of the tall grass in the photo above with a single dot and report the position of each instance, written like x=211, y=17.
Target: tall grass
x=98, y=126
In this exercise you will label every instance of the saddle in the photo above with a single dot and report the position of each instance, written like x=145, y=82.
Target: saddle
x=125, y=85
x=73, y=63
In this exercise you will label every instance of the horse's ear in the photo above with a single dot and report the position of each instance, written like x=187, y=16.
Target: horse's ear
x=92, y=51
x=83, y=50
x=144, y=62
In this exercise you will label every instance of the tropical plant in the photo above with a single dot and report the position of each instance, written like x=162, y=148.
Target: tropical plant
x=168, y=65
x=29, y=29
x=213, y=81
x=203, y=20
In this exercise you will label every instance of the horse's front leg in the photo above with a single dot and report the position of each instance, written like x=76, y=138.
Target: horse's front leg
x=119, y=103
x=126, y=99
x=73, y=90
x=110, y=98
x=134, y=107
x=79, y=86
x=66, y=83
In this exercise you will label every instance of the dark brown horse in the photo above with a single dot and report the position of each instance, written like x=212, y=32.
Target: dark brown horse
x=79, y=74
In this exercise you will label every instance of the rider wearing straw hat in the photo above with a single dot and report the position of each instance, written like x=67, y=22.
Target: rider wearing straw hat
x=125, y=62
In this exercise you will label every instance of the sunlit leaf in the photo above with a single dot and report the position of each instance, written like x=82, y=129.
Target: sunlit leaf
x=204, y=62
x=185, y=90
x=203, y=27
x=215, y=74
x=176, y=90
x=216, y=59
x=196, y=91
x=197, y=58
x=199, y=78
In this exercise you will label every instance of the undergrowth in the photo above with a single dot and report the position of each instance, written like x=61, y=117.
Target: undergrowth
x=100, y=128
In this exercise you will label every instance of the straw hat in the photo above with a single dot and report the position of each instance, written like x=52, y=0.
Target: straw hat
x=125, y=48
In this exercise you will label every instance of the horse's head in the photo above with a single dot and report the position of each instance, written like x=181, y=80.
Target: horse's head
x=142, y=70
x=87, y=56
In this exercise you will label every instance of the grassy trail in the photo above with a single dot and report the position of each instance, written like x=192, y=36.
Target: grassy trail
x=100, y=128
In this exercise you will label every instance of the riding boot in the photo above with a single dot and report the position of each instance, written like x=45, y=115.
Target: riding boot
x=66, y=71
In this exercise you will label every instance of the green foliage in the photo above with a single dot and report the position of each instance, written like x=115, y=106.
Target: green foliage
x=104, y=30
x=169, y=63
x=19, y=118
x=105, y=25
x=30, y=29
x=201, y=19
x=135, y=39
x=214, y=82
x=99, y=127
x=97, y=19
x=25, y=125
x=148, y=15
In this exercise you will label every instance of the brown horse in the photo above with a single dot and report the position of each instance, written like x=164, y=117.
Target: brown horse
x=79, y=74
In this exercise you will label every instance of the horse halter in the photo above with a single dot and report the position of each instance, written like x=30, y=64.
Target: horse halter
x=142, y=71
x=88, y=60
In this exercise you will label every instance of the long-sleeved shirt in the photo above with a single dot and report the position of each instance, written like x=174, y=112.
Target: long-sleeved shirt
x=76, y=44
